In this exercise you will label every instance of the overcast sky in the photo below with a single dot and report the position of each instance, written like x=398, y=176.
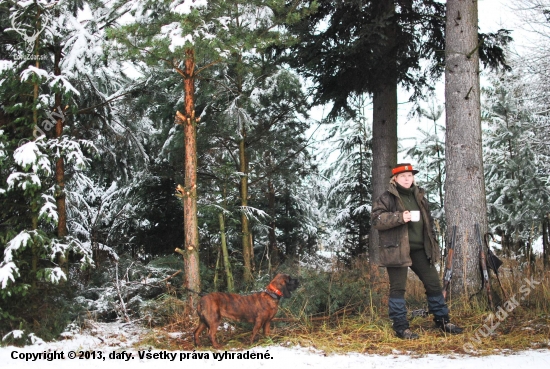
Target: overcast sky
x=494, y=14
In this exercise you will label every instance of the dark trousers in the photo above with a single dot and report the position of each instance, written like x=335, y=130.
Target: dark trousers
x=422, y=268
x=398, y=284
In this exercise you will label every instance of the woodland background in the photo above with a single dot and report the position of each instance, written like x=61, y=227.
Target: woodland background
x=91, y=152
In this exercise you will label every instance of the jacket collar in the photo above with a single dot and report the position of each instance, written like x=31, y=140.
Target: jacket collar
x=403, y=190
x=417, y=191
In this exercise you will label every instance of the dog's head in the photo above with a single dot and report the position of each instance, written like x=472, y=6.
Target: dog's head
x=284, y=283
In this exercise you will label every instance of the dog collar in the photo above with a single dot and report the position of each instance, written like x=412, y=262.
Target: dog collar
x=273, y=292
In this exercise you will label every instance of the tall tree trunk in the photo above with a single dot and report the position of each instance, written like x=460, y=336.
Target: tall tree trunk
x=439, y=169
x=225, y=253
x=464, y=185
x=34, y=201
x=60, y=167
x=384, y=148
x=189, y=192
x=245, y=227
x=272, y=237
x=248, y=252
x=363, y=226
x=218, y=257
x=384, y=118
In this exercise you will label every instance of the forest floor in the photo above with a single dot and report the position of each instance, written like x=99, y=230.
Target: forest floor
x=129, y=344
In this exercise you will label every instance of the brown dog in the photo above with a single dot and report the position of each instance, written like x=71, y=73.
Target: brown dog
x=258, y=308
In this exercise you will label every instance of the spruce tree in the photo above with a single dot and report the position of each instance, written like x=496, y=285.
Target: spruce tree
x=350, y=182
x=37, y=98
x=515, y=167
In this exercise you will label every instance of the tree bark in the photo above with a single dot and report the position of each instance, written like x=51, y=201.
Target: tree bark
x=225, y=253
x=60, y=168
x=34, y=202
x=59, y=113
x=465, y=202
x=384, y=118
x=245, y=227
x=248, y=252
x=362, y=244
x=272, y=237
x=189, y=191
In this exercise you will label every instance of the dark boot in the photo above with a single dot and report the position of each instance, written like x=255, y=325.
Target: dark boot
x=398, y=314
x=406, y=334
x=445, y=325
x=438, y=307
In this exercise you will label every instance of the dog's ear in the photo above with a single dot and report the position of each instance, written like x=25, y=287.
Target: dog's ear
x=285, y=291
x=290, y=284
x=293, y=283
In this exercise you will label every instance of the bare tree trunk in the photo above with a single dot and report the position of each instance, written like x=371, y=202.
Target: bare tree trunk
x=34, y=203
x=273, y=247
x=60, y=180
x=245, y=227
x=384, y=120
x=226, y=264
x=464, y=185
x=439, y=169
x=60, y=167
x=218, y=257
x=189, y=191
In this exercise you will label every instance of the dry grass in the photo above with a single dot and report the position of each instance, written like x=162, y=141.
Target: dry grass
x=366, y=334
x=526, y=326
x=363, y=335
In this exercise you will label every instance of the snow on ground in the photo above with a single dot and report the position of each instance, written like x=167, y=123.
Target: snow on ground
x=111, y=344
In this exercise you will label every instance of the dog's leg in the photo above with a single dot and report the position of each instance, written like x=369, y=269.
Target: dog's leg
x=212, y=330
x=257, y=325
x=267, y=328
x=212, y=336
x=198, y=331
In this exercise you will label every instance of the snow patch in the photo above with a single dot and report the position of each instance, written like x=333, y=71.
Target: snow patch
x=15, y=334
x=18, y=242
x=187, y=6
x=7, y=271
x=117, y=337
x=27, y=73
x=173, y=31
x=27, y=155
x=6, y=65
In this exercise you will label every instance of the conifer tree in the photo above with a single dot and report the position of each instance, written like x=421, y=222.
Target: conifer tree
x=37, y=95
x=170, y=34
x=350, y=181
x=429, y=153
x=515, y=167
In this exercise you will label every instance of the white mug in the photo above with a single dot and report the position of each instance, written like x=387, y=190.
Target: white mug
x=415, y=215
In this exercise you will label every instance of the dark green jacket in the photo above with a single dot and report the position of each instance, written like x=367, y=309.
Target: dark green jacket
x=387, y=218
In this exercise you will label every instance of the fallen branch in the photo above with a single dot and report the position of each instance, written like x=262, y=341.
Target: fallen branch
x=120, y=296
x=170, y=277
x=128, y=271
